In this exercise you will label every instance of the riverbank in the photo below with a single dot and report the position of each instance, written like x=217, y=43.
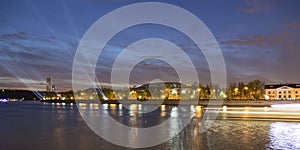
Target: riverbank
x=205, y=103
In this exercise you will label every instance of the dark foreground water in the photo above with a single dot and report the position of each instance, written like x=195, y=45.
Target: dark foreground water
x=42, y=126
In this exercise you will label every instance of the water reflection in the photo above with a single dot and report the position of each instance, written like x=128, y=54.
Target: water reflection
x=284, y=135
x=94, y=106
x=174, y=112
x=58, y=126
x=104, y=106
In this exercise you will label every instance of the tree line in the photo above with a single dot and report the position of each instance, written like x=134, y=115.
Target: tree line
x=252, y=90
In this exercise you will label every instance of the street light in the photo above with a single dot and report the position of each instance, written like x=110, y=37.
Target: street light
x=246, y=92
x=236, y=89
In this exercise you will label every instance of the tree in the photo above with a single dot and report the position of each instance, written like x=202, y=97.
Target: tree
x=256, y=89
x=240, y=91
x=207, y=92
x=231, y=92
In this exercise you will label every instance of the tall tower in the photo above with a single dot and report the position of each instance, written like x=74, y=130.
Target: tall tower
x=48, y=84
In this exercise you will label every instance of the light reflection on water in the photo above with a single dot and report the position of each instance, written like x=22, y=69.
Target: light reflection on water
x=284, y=135
x=32, y=125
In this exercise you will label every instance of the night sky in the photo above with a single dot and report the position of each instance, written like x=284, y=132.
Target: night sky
x=38, y=38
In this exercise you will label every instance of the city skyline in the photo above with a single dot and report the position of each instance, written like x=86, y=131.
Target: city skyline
x=259, y=40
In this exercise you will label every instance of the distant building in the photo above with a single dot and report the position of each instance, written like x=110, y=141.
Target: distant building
x=48, y=84
x=282, y=91
x=53, y=88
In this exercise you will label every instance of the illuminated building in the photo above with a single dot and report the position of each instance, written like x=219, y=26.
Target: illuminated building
x=53, y=88
x=164, y=90
x=282, y=91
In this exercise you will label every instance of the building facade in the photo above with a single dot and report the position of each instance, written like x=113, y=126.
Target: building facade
x=282, y=91
x=164, y=90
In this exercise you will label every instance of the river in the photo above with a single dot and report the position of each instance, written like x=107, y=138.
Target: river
x=36, y=125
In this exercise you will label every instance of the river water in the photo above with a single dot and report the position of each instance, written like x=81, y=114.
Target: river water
x=36, y=125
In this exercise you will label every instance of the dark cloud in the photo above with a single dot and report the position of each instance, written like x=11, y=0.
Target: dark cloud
x=273, y=58
x=286, y=40
x=254, y=6
x=2, y=21
x=13, y=36
x=293, y=25
x=257, y=40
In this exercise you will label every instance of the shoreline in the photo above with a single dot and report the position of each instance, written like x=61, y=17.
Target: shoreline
x=204, y=103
